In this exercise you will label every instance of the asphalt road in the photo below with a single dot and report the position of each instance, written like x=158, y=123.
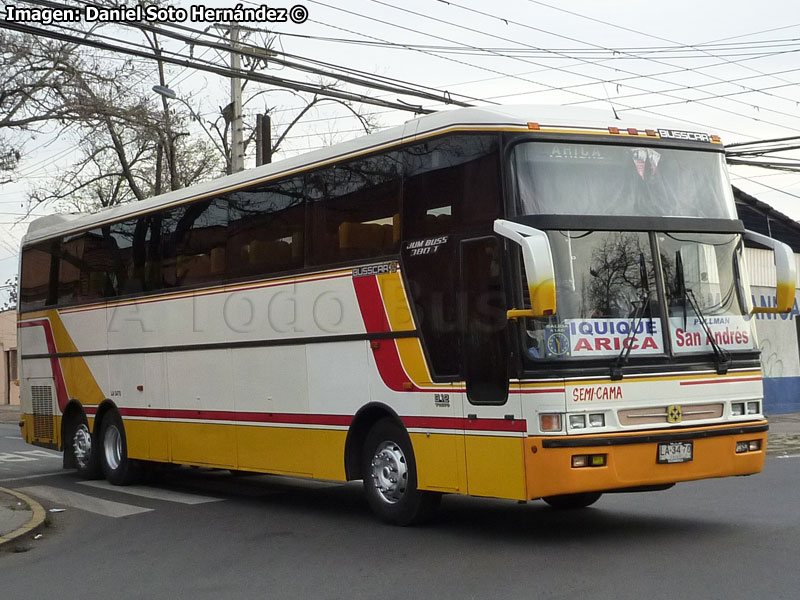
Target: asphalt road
x=206, y=534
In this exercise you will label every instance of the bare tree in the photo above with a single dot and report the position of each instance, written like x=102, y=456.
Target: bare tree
x=35, y=77
x=125, y=150
x=129, y=144
x=10, y=287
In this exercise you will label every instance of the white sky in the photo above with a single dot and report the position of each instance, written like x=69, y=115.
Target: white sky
x=531, y=52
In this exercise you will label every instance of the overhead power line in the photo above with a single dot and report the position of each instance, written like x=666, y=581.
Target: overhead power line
x=260, y=77
x=217, y=70
x=315, y=67
x=538, y=29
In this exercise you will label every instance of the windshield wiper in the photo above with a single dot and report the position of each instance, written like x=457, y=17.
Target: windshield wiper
x=627, y=346
x=636, y=320
x=722, y=357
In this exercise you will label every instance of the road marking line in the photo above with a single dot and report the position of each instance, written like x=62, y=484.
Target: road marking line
x=107, y=508
x=9, y=457
x=50, y=474
x=27, y=456
x=154, y=493
x=13, y=437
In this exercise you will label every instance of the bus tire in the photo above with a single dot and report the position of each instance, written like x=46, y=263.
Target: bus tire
x=117, y=467
x=80, y=448
x=390, y=476
x=572, y=501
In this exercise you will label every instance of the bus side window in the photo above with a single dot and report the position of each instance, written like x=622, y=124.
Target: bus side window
x=128, y=242
x=69, y=271
x=191, y=247
x=39, y=281
x=354, y=210
x=451, y=186
x=267, y=229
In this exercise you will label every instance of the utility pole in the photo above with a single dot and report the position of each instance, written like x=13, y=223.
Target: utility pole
x=237, y=138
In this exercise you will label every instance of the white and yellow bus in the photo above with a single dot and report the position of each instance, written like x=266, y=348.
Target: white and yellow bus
x=520, y=302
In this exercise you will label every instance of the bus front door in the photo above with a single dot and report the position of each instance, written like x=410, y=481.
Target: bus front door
x=493, y=425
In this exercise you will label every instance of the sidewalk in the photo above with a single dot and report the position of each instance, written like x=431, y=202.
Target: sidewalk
x=9, y=413
x=20, y=518
x=784, y=434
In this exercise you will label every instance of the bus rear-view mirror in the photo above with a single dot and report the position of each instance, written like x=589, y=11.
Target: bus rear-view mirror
x=539, y=269
x=785, y=273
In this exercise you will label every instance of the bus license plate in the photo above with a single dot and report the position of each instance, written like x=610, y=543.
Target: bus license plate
x=675, y=452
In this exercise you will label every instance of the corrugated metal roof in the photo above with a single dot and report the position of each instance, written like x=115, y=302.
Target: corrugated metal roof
x=762, y=218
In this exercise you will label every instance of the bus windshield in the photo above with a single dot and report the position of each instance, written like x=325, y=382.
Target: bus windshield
x=647, y=290
x=601, y=179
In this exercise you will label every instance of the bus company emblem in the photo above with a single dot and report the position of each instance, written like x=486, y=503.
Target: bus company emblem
x=381, y=269
x=674, y=414
x=557, y=343
x=691, y=136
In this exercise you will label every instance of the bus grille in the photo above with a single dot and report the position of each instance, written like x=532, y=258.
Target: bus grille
x=659, y=414
x=42, y=397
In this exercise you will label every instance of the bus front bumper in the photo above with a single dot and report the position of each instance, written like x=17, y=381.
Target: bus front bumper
x=631, y=458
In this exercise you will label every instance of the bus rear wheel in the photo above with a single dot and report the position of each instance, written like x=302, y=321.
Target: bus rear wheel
x=390, y=476
x=117, y=467
x=80, y=449
x=572, y=501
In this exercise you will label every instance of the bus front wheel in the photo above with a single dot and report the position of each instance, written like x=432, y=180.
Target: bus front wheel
x=117, y=467
x=390, y=476
x=572, y=501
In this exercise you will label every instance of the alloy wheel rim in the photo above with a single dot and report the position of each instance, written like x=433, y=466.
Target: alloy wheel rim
x=82, y=446
x=112, y=447
x=389, y=472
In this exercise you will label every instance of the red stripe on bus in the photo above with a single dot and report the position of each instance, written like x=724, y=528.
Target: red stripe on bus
x=370, y=302
x=242, y=417
x=726, y=380
x=515, y=425
x=55, y=364
x=458, y=423
x=387, y=356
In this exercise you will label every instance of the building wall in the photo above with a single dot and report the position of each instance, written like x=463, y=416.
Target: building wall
x=778, y=336
x=9, y=389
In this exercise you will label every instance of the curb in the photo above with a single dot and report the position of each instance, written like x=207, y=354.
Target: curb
x=32, y=525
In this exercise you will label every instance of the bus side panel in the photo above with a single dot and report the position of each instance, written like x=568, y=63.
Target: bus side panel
x=200, y=387
x=496, y=466
x=266, y=380
x=337, y=377
x=38, y=388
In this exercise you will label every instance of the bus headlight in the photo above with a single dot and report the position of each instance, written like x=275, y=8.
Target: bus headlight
x=577, y=421
x=597, y=420
x=737, y=409
x=753, y=408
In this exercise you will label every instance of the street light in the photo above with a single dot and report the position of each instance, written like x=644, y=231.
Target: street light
x=165, y=91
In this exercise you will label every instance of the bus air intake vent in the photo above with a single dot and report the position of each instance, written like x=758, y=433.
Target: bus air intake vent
x=659, y=414
x=42, y=397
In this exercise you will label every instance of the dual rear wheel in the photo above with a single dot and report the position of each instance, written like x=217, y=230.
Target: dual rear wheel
x=103, y=454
